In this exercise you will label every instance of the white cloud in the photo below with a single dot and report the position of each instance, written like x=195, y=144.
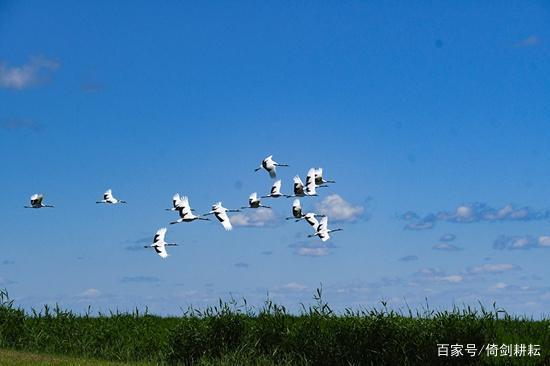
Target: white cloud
x=436, y=274
x=313, y=252
x=474, y=212
x=452, y=278
x=338, y=209
x=464, y=213
x=91, y=293
x=257, y=217
x=294, y=286
x=20, y=77
x=499, y=286
x=493, y=268
x=521, y=242
x=290, y=287
x=544, y=241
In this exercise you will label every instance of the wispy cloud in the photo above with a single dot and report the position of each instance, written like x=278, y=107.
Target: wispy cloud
x=436, y=274
x=409, y=258
x=36, y=70
x=91, y=293
x=446, y=247
x=447, y=237
x=312, y=249
x=493, y=268
x=338, y=209
x=241, y=265
x=530, y=41
x=521, y=242
x=474, y=212
x=21, y=124
x=312, y=252
x=418, y=223
x=258, y=217
x=452, y=278
x=140, y=279
x=292, y=286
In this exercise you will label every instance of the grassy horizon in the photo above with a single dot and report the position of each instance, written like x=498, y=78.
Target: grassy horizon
x=235, y=333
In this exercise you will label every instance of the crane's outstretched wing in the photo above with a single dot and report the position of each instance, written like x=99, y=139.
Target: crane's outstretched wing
x=108, y=195
x=222, y=217
x=298, y=186
x=276, y=189
x=161, y=250
x=159, y=236
x=310, y=218
x=322, y=229
x=323, y=224
x=176, y=200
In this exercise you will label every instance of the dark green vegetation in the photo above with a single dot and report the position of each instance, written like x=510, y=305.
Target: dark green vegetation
x=229, y=334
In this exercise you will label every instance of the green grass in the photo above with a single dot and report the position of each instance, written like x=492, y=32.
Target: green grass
x=21, y=358
x=231, y=334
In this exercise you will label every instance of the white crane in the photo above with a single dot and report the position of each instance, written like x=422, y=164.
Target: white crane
x=310, y=183
x=270, y=166
x=276, y=190
x=36, y=201
x=319, y=180
x=186, y=212
x=296, y=211
x=254, y=202
x=159, y=244
x=221, y=214
x=109, y=199
x=322, y=230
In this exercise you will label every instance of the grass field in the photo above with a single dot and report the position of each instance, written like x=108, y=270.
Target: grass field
x=231, y=334
x=16, y=358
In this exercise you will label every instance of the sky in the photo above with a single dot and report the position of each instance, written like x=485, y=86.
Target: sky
x=431, y=118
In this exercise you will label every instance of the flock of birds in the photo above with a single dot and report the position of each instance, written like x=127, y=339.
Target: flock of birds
x=181, y=204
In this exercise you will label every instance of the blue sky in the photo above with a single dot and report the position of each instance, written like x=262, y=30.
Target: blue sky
x=433, y=120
